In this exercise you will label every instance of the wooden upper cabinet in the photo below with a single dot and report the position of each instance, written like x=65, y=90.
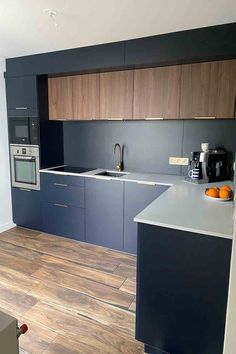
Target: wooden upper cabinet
x=116, y=95
x=208, y=90
x=199, y=90
x=86, y=97
x=156, y=92
x=60, y=98
x=226, y=98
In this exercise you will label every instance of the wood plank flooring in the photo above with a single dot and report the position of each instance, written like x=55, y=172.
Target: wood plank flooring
x=75, y=297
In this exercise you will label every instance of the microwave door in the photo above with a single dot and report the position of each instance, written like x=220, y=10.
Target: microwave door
x=19, y=131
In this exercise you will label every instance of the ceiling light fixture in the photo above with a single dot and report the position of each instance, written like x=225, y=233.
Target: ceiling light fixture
x=52, y=14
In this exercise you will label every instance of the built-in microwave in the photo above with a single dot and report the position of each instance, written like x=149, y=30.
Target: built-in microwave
x=24, y=130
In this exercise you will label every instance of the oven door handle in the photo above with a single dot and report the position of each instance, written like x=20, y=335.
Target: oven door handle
x=24, y=157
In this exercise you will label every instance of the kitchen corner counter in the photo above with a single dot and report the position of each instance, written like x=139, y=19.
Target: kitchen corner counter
x=184, y=207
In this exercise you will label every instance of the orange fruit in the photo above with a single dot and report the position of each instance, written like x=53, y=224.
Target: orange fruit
x=226, y=187
x=224, y=193
x=212, y=192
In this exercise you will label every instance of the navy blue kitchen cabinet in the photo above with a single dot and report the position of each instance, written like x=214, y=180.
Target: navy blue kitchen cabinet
x=26, y=208
x=196, y=45
x=137, y=196
x=62, y=205
x=63, y=220
x=22, y=96
x=104, y=212
x=182, y=290
x=92, y=58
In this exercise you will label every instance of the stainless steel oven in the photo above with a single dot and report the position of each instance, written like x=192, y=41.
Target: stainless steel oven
x=25, y=166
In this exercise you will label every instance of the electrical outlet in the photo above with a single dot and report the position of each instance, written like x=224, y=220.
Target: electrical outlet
x=181, y=161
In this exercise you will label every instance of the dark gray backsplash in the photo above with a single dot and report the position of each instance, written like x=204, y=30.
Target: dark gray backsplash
x=148, y=145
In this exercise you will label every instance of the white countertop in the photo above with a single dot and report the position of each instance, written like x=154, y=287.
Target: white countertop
x=183, y=206
x=146, y=178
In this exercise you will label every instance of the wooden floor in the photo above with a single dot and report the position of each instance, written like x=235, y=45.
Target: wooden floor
x=75, y=297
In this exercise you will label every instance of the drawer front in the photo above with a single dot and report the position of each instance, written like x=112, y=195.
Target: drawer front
x=63, y=179
x=60, y=193
x=63, y=221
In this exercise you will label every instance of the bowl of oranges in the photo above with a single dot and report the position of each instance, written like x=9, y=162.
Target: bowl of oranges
x=222, y=194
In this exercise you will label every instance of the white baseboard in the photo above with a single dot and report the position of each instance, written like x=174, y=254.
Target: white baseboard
x=7, y=226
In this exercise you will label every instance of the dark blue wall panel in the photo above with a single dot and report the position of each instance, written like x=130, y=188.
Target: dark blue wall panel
x=148, y=145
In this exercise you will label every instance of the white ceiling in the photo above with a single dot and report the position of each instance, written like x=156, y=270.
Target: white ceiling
x=26, y=29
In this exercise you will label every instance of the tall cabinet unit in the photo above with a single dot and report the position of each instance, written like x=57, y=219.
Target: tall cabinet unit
x=22, y=105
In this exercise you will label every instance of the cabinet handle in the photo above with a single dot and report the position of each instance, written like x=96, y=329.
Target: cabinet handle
x=21, y=107
x=25, y=190
x=115, y=119
x=61, y=184
x=204, y=117
x=157, y=118
x=61, y=205
x=147, y=183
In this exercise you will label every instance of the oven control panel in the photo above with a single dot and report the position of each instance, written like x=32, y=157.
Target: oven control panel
x=21, y=150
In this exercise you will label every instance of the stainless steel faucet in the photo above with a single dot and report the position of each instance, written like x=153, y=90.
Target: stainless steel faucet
x=120, y=163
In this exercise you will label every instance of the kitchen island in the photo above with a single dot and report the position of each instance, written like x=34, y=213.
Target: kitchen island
x=183, y=267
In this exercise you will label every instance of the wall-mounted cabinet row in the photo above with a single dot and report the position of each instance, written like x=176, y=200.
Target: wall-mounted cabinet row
x=201, y=90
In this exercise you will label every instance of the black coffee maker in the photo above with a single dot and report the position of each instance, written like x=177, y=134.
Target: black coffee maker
x=208, y=165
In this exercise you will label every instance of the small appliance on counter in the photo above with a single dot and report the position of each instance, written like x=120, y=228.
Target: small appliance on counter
x=207, y=165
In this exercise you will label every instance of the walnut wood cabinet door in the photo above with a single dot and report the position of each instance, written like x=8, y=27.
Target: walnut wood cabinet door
x=199, y=87
x=116, y=95
x=156, y=93
x=226, y=99
x=60, y=98
x=86, y=97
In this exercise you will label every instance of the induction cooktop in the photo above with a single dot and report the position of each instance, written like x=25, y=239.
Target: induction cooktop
x=71, y=169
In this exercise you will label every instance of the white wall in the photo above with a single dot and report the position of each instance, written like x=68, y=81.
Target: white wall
x=5, y=191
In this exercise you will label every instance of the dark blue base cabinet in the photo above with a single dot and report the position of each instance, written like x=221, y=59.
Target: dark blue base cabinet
x=63, y=220
x=104, y=212
x=137, y=196
x=26, y=208
x=62, y=205
x=182, y=291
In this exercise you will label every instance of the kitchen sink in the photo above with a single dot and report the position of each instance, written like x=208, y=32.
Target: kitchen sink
x=111, y=174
